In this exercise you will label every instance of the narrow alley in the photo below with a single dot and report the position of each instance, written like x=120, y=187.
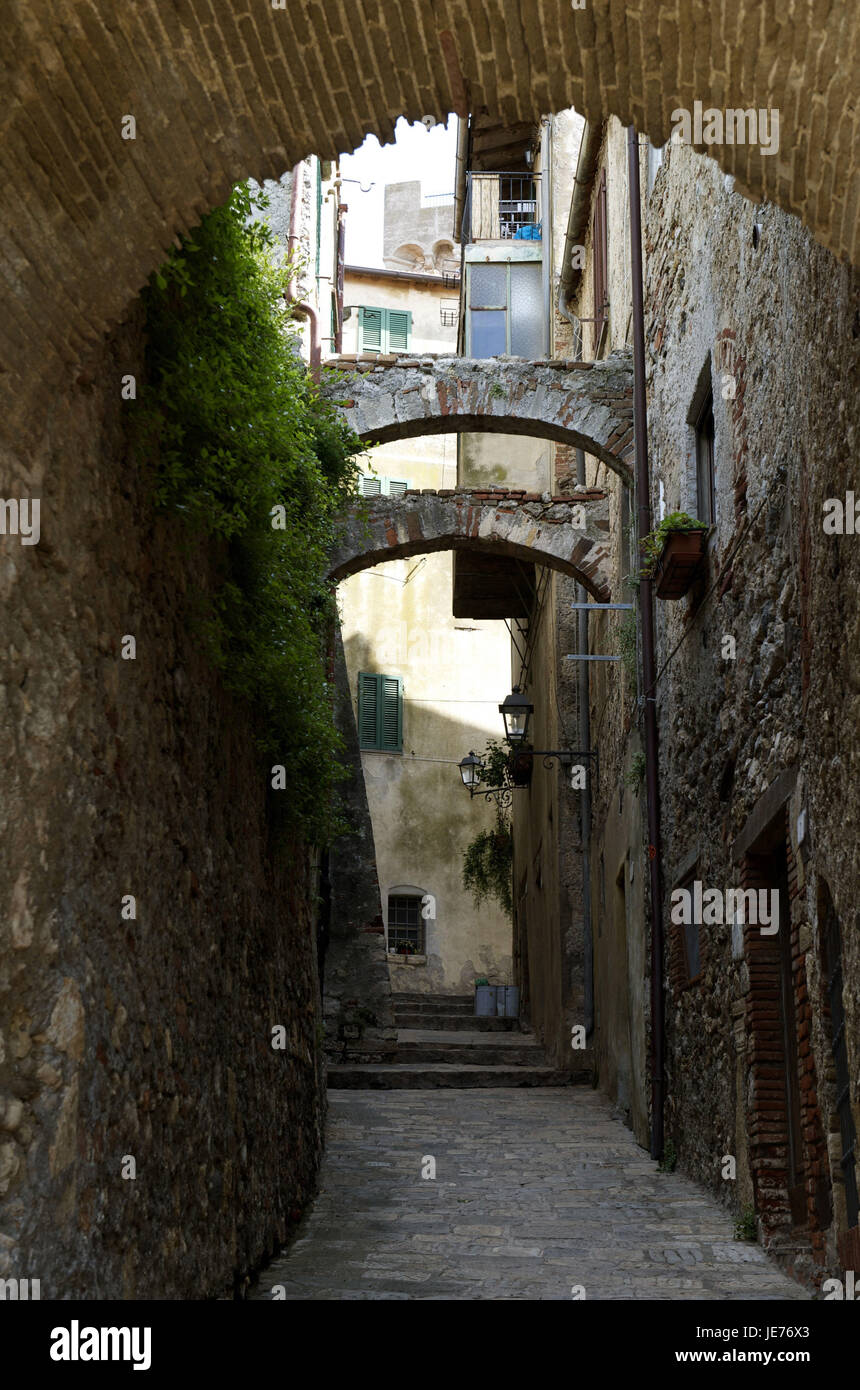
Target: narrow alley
x=538, y=1194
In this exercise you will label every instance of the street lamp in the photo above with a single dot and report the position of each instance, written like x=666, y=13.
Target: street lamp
x=471, y=770
x=515, y=710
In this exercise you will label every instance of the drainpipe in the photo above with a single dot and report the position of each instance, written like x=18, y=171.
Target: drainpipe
x=461, y=164
x=586, y=164
x=646, y=619
x=341, y=259
x=298, y=307
x=583, y=697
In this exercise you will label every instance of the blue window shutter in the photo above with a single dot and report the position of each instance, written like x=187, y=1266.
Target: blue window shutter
x=368, y=710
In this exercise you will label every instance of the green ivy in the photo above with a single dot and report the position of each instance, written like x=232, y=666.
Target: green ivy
x=627, y=642
x=488, y=865
x=244, y=450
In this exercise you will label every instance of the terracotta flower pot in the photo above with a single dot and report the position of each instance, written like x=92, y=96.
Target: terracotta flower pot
x=680, y=562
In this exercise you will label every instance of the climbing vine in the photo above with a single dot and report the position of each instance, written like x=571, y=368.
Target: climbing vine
x=243, y=449
x=488, y=865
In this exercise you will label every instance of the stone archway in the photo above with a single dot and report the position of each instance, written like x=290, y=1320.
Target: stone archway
x=588, y=405
x=569, y=534
x=220, y=92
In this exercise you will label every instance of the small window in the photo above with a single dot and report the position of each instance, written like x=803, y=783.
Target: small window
x=706, y=507
x=382, y=487
x=384, y=330
x=600, y=257
x=380, y=712
x=690, y=940
x=505, y=304
x=405, y=923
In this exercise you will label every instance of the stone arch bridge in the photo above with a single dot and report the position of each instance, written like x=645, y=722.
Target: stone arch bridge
x=566, y=533
x=585, y=404
x=220, y=92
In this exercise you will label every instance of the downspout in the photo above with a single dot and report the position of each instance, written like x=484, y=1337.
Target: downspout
x=583, y=698
x=546, y=219
x=341, y=259
x=586, y=164
x=461, y=163
x=646, y=619
x=298, y=307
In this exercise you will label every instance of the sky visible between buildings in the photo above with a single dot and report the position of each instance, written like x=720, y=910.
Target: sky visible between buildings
x=415, y=153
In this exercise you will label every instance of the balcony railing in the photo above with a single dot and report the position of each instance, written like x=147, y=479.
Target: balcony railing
x=502, y=207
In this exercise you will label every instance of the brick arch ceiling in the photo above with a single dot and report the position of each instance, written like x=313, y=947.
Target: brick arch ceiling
x=225, y=90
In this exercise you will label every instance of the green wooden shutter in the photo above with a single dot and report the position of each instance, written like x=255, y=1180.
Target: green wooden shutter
x=399, y=326
x=370, y=330
x=368, y=710
x=380, y=712
x=391, y=713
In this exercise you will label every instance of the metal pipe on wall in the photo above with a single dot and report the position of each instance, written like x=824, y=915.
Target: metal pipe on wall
x=583, y=699
x=646, y=619
x=306, y=310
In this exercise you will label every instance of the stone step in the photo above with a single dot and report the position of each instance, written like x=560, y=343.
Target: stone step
x=434, y=1006
x=417, y=1076
x=456, y=1022
x=445, y=1000
x=473, y=1048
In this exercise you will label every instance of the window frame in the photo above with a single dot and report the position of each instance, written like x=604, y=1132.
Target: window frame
x=705, y=444
x=505, y=308
x=379, y=745
x=420, y=941
x=384, y=328
x=600, y=262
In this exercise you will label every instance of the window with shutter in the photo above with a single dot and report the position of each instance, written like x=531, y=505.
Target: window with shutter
x=391, y=713
x=380, y=712
x=399, y=323
x=384, y=330
x=600, y=254
x=367, y=710
x=370, y=330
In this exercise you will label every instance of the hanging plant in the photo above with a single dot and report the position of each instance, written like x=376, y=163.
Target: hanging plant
x=654, y=543
x=488, y=866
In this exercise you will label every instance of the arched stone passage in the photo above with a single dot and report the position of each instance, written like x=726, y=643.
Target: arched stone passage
x=220, y=92
x=501, y=523
x=585, y=404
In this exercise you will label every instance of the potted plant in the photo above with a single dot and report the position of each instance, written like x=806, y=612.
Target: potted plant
x=674, y=553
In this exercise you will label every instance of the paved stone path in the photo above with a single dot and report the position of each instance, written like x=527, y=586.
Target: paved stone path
x=535, y=1191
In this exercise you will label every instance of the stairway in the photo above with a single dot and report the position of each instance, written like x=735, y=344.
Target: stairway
x=440, y=1043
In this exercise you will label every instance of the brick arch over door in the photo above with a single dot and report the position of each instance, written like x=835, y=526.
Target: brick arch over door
x=569, y=534
x=223, y=91
x=588, y=405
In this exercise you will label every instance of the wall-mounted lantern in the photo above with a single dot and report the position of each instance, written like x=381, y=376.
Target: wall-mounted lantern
x=516, y=710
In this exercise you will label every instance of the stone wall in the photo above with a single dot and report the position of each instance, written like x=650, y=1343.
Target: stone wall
x=359, y=1017
x=761, y=735
x=145, y=1036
